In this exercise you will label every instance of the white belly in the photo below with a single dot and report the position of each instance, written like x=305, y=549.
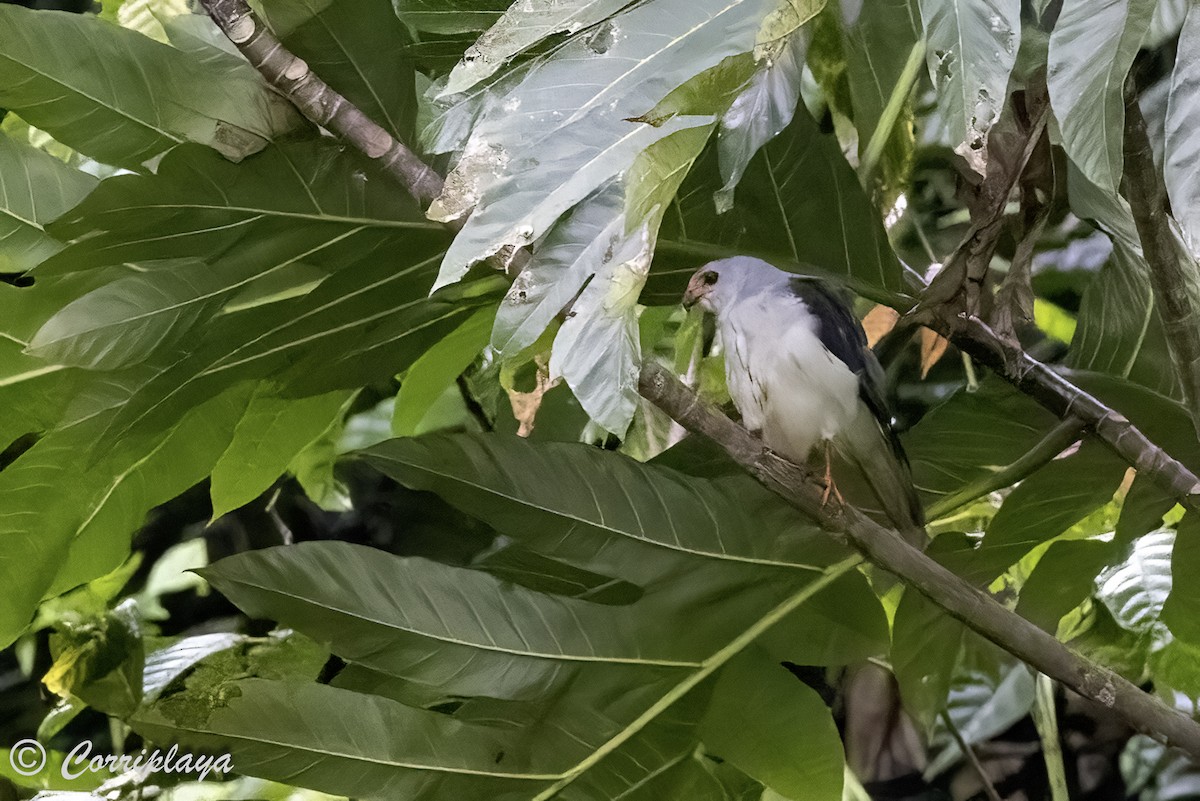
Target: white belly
x=784, y=382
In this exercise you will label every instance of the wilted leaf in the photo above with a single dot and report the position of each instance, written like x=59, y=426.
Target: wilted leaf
x=1181, y=167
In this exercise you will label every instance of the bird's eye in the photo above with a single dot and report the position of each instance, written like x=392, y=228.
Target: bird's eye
x=709, y=278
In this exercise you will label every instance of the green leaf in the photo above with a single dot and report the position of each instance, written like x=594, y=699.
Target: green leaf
x=524, y=170
x=879, y=43
x=115, y=114
x=437, y=369
x=1092, y=48
x=1179, y=608
x=776, y=729
x=270, y=434
x=1049, y=502
x=972, y=47
x=597, y=348
x=307, y=202
x=67, y=522
x=536, y=492
x=971, y=436
x=1181, y=165
x=786, y=214
x=359, y=48
x=35, y=188
x=127, y=321
x=1062, y=579
x=519, y=28
x=840, y=626
x=1135, y=590
x=449, y=16
x=925, y=649
x=1119, y=329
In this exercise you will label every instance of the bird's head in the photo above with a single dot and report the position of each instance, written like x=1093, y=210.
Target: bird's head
x=718, y=283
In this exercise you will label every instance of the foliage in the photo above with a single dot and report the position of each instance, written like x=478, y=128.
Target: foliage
x=222, y=326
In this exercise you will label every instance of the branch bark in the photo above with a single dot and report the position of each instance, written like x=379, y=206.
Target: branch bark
x=976, y=609
x=318, y=101
x=1177, y=303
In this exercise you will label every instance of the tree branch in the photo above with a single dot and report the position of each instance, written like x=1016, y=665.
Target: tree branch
x=1168, y=277
x=1064, y=399
x=318, y=101
x=976, y=609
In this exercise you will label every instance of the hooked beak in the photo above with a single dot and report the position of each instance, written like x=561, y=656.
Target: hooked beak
x=697, y=290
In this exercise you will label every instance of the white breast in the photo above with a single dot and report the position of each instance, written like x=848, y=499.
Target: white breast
x=782, y=379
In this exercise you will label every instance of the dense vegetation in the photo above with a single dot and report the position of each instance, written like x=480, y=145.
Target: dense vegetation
x=359, y=488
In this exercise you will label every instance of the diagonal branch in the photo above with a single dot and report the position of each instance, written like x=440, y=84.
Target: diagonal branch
x=976, y=609
x=1173, y=294
x=882, y=546
x=318, y=101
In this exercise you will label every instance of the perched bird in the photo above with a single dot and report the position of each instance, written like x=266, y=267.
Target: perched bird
x=800, y=373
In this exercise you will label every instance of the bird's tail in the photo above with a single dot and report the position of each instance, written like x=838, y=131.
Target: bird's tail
x=881, y=460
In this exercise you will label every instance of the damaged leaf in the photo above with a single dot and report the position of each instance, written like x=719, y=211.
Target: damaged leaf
x=972, y=47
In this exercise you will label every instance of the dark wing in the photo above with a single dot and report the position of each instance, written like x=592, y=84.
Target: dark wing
x=841, y=332
x=843, y=335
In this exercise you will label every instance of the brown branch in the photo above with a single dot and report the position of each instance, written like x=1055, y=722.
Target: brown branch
x=974, y=608
x=1064, y=399
x=318, y=101
x=1177, y=304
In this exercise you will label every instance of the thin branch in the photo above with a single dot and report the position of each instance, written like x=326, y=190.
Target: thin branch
x=318, y=101
x=988, y=788
x=1177, y=303
x=1065, y=399
x=884, y=547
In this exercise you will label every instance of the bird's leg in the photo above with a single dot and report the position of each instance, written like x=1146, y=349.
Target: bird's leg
x=830, y=487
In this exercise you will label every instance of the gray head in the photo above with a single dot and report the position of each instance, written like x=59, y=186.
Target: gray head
x=719, y=283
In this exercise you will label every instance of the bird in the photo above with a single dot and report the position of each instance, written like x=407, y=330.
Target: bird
x=802, y=377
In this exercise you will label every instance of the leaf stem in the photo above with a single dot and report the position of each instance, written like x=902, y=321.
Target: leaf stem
x=1059, y=437
x=706, y=669
x=891, y=112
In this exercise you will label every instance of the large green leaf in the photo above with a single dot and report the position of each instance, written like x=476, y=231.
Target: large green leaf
x=117, y=113
x=519, y=28
x=970, y=437
x=775, y=728
x=304, y=202
x=266, y=440
x=1047, y=503
x=799, y=205
x=551, y=492
x=1181, y=164
x=1119, y=329
x=357, y=47
x=1091, y=49
x=125, y=322
x=35, y=188
x=449, y=16
x=1179, y=607
x=972, y=47
x=66, y=522
x=438, y=369
x=575, y=697
x=370, y=321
